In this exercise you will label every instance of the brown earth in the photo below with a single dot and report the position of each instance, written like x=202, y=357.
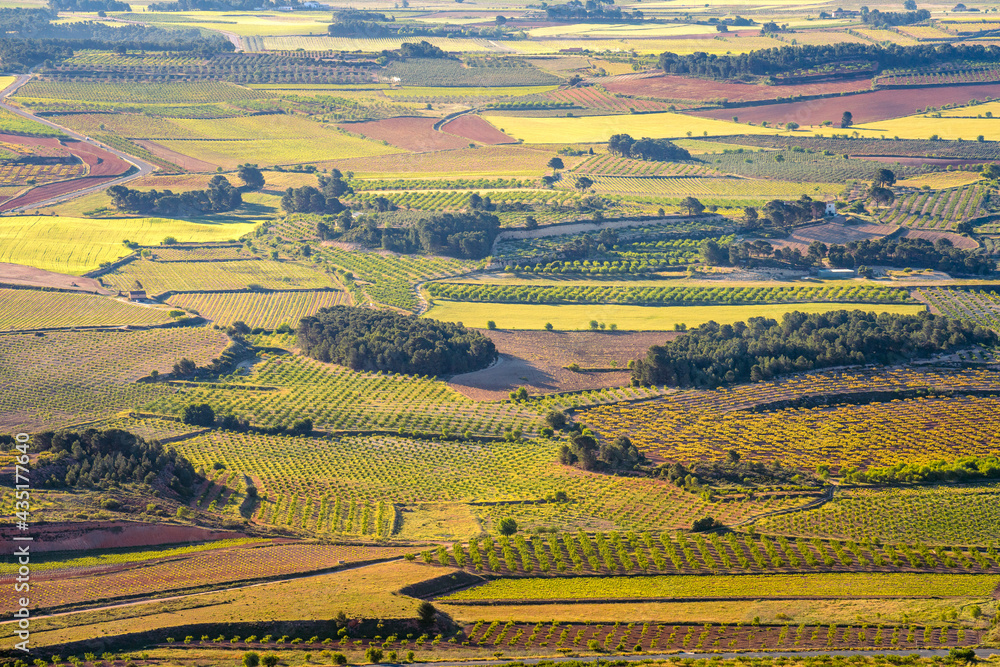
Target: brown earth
x=181, y=160
x=536, y=360
x=411, y=132
x=475, y=128
x=865, y=107
x=684, y=88
x=16, y=274
x=113, y=535
x=832, y=233
x=936, y=161
x=957, y=240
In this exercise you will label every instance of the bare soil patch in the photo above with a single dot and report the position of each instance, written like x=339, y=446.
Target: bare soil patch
x=181, y=160
x=475, y=128
x=865, y=107
x=683, y=88
x=16, y=274
x=114, y=535
x=537, y=360
x=832, y=233
x=411, y=132
x=957, y=240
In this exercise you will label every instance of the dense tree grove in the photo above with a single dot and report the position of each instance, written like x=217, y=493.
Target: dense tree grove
x=964, y=469
x=584, y=451
x=322, y=198
x=659, y=150
x=372, y=340
x=220, y=5
x=885, y=19
x=766, y=62
x=575, y=10
x=98, y=458
x=89, y=6
x=919, y=253
x=466, y=235
x=220, y=196
x=762, y=348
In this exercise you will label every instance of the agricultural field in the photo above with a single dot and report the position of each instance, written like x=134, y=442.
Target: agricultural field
x=498, y=333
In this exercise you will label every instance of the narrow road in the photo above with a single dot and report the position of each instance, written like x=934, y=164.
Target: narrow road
x=143, y=168
x=811, y=505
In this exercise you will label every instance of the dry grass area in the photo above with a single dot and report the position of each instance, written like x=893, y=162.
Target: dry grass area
x=537, y=360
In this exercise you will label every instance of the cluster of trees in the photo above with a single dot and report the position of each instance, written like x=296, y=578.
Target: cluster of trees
x=372, y=340
x=220, y=196
x=202, y=414
x=322, y=199
x=584, y=450
x=882, y=19
x=422, y=50
x=96, y=458
x=940, y=255
x=733, y=470
x=89, y=6
x=659, y=150
x=766, y=62
x=220, y=5
x=575, y=10
x=778, y=213
x=762, y=348
x=467, y=235
x=964, y=469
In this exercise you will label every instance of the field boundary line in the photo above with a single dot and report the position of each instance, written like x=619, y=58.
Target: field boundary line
x=819, y=502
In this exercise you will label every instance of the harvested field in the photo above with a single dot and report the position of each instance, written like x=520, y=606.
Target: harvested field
x=16, y=274
x=181, y=160
x=866, y=107
x=832, y=233
x=476, y=129
x=412, y=133
x=957, y=240
x=83, y=535
x=683, y=88
x=538, y=359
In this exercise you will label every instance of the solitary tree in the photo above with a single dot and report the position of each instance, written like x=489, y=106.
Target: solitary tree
x=750, y=217
x=583, y=183
x=251, y=659
x=507, y=526
x=692, y=205
x=910, y=5
x=847, y=119
x=199, y=414
x=884, y=178
x=555, y=164
x=881, y=196
x=251, y=176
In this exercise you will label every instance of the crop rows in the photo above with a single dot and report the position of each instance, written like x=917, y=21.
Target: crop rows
x=600, y=99
x=197, y=570
x=977, y=306
x=625, y=294
x=800, y=164
x=134, y=92
x=159, y=277
x=610, y=165
x=616, y=553
x=442, y=184
x=441, y=200
x=187, y=253
x=922, y=77
x=943, y=515
x=96, y=372
x=935, y=209
x=655, y=637
x=499, y=476
x=282, y=389
x=329, y=515
x=703, y=425
x=712, y=187
x=32, y=174
x=265, y=310
x=34, y=309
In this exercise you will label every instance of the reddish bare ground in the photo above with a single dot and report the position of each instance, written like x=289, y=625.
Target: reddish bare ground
x=114, y=534
x=412, y=133
x=16, y=274
x=103, y=167
x=865, y=107
x=476, y=129
x=684, y=88
x=537, y=360
x=832, y=233
x=184, y=161
x=957, y=240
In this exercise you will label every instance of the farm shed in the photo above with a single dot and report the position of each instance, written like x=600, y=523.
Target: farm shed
x=836, y=273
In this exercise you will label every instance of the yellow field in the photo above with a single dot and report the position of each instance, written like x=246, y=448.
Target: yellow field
x=876, y=35
x=717, y=45
x=594, y=129
x=258, y=23
x=922, y=127
x=944, y=179
x=324, y=42
x=631, y=318
x=621, y=30
x=743, y=188
x=78, y=245
x=973, y=110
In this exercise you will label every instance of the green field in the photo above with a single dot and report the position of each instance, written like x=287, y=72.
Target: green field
x=629, y=318
x=79, y=245
x=750, y=586
x=588, y=129
x=30, y=309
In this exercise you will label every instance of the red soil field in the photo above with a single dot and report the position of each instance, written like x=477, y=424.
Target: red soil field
x=476, y=129
x=684, y=88
x=103, y=166
x=866, y=107
x=16, y=274
x=412, y=133
x=537, y=360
